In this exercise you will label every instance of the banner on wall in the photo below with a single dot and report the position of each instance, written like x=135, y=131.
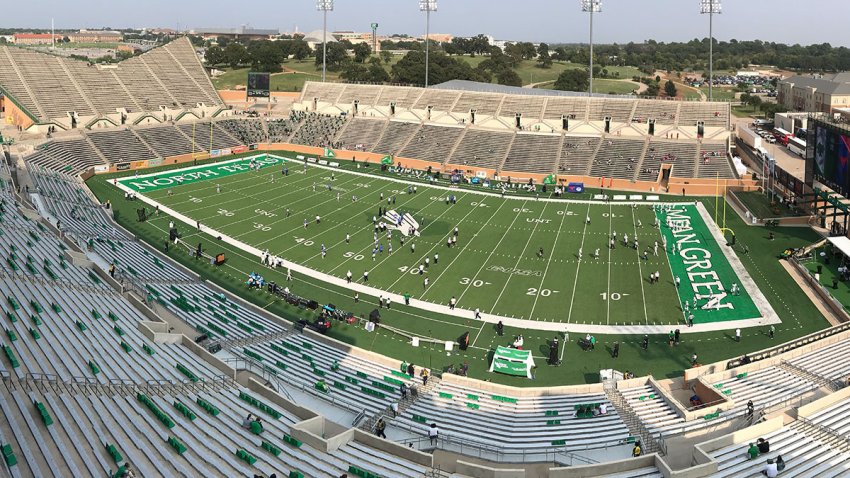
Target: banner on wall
x=101, y=168
x=329, y=153
x=122, y=166
x=154, y=162
x=388, y=159
x=215, y=153
x=240, y=149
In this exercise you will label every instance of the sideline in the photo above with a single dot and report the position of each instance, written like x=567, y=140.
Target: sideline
x=769, y=316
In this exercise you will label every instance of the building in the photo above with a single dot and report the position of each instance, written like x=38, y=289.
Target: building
x=34, y=38
x=95, y=36
x=241, y=33
x=791, y=122
x=820, y=94
x=315, y=38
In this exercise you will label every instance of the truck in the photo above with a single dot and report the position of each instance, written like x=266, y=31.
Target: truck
x=749, y=137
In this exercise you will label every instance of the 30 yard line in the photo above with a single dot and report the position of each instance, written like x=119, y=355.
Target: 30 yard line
x=640, y=271
x=578, y=267
x=484, y=263
x=549, y=262
x=465, y=245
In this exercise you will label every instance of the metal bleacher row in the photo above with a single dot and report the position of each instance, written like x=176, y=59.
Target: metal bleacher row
x=624, y=110
x=49, y=86
x=85, y=391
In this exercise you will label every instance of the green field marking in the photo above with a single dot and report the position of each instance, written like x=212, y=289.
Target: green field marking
x=170, y=179
x=702, y=267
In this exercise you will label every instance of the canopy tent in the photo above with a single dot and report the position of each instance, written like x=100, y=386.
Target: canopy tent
x=512, y=362
x=841, y=243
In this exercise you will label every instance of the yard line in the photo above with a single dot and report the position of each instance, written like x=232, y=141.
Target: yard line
x=260, y=202
x=484, y=263
x=549, y=262
x=640, y=271
x=368, y=226
x=670, y=265
x=438, y=243
x=465, y=245
x=608, y=289
x=578, y=267
x=519, y=258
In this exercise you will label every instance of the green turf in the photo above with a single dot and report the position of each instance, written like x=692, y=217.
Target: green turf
x=497, y=265
x=830, y=278
x=799, y=316
x=760, y=206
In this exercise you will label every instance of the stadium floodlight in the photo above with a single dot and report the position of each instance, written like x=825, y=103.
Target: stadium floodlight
x=427, y=6
x=710, y=7
x=591, y=7
x=325, y=6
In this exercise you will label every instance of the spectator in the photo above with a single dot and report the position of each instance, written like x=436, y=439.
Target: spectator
x=763, y=445
x=433, y=433
x=380, y=427
x=636, y=451
x=410, y=370
x=603, y=409
x=770, y=470
x=394, y=408
x=780, y=463
x=753, y=451
x=403, y=390
x=424, y=375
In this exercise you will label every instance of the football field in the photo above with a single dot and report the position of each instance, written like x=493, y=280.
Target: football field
x=539, y=260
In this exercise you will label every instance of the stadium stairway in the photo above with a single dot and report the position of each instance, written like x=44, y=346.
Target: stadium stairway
x=239, y=342
x=95, y=148
x=368, y=426
x=142, y=140
x=633, y=422
x=826, y=436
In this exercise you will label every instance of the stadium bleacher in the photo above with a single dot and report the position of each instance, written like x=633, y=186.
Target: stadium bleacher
x=534, y=153
x=49, y=87
x=618, y=158
x=482, y=148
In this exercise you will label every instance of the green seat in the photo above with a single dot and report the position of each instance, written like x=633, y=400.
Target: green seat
x=9, y=455
x=270, y=448
x=113, y=452
x=292, y=441
x=246, y=457
x=179, y=447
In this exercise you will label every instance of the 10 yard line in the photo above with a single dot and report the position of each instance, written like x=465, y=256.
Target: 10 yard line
x=640, y=271
x=608, y=290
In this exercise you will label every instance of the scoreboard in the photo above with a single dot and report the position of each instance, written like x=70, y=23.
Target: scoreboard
x=258, y=85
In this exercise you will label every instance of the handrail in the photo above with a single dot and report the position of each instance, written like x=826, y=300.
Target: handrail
x=502, y=454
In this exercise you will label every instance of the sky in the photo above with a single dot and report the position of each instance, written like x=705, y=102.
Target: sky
x=553, y=21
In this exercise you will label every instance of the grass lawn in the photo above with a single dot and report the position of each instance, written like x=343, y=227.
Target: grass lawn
x=720, y=94
x=759, y=205
x=288, y=80
x=798, y=314
x=614, y=87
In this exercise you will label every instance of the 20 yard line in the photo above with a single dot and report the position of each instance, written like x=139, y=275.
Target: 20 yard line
x=519, y=258
x=549, y=262
x=578, y=267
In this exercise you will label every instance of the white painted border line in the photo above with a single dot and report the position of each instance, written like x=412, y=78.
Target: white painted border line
x=444, y=309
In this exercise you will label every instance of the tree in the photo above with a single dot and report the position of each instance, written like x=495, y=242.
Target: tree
x=508, y=77
x=572, y=80
x=355, y=72
x=265, y=56
x=544, y=60
x=670, y=89
x=754, y=101
x=362, y=52
x=411, y=69
x=214, y=56
x=386, y=56
x=299, y=49
x=336, y=56
x=378, y=74
x=235, y=54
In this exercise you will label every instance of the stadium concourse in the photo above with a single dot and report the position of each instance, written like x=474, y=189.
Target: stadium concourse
x=122, y=357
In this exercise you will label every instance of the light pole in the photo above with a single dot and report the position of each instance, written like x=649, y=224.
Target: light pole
x=710, y=7
x=427, y=6
x=325, y=6
x=591, y=7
